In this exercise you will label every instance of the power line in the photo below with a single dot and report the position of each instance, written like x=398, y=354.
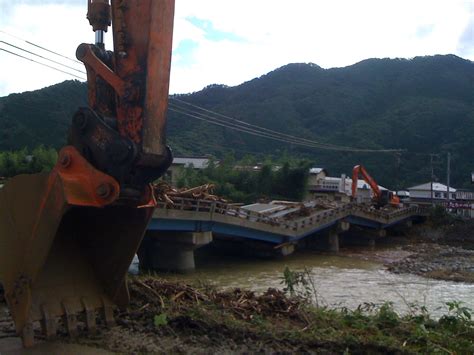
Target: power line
x=265, y=132
x=261, y=128
x=228, y=124
x=274, y=134
x=206, y=144
x=41, y=47
x=46, y=65
x=265, y=135
x=45, y=58
x=242, y=129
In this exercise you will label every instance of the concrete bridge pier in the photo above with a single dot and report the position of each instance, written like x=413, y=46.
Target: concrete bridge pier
x=375, y=234
x=329, y=240
x=333, y=236
x=333, y=241
x=284, y=249
x=402, y=228
x=360, y=236
x=171, y=251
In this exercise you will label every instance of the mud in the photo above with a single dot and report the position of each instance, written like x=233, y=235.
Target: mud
x=379, y=255
x=439, y=252
x=166, y=317
x=437, y=261
x=183, y=329
x=442, y=253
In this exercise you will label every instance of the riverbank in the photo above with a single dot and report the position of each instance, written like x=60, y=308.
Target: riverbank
x=169, y=317
x=437, y=261
x=166, y=317
x=443, y=252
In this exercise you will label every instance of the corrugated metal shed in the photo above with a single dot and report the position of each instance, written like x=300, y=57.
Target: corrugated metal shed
x=197, y=163
x=436, y=187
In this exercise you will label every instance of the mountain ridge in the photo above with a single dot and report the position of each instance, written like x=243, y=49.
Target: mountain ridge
x=424, y=104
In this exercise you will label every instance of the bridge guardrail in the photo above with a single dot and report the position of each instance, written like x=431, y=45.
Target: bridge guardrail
x=317, y=218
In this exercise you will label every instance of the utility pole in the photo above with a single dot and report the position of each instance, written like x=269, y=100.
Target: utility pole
x=448, y=173
x=432, y=155
x=431, y=180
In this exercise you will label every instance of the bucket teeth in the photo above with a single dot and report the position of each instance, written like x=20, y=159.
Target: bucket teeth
x=48, y=323
x=28, y=335
x=108, y=312
x=90, y=316
x=70, y=320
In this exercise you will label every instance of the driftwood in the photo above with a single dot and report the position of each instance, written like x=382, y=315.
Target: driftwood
x=166, y=193
x=149, y=293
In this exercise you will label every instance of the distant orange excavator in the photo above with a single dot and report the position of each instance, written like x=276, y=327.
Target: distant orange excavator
x=381, y=197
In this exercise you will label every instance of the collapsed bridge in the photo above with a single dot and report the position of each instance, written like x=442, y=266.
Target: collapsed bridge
x=177, y=229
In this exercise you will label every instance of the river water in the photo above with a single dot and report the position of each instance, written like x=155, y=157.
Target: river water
x=339, y=281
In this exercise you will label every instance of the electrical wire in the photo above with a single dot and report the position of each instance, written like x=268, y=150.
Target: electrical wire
x=240, y=129
x=46, y=65
x=259, y=127
x=264, y=135
x=41, y=47
x=267, y=133
x=282, y=135
x=227, y=124
x=45, y=58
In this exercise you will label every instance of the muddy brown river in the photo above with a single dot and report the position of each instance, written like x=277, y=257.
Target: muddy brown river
x=340, y=281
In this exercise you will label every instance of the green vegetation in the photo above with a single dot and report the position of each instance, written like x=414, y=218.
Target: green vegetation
x=439, y=217
x=238, y=182
x=274, y=322
x=40, y=117
x=423, y=105
x=27, y=162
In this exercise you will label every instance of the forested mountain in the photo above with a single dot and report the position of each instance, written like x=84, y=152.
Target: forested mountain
x=423, y=105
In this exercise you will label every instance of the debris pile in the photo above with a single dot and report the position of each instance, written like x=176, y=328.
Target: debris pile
x=154, y=295
x=166, y=193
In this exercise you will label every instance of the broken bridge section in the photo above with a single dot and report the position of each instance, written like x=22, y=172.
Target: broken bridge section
x=177, y=229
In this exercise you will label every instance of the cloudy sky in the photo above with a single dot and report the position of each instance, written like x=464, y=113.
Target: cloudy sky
x=232, y=41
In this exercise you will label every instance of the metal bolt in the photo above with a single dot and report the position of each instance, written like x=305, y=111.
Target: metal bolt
x=80, y=120
x=104, y=190
x=65, y=160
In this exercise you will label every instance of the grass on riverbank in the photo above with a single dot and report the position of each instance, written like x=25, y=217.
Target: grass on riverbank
x=205, y=320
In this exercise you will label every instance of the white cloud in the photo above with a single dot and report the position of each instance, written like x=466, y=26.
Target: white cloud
x=275, y=32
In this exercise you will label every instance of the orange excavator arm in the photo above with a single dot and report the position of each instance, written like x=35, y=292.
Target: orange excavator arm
x=359, y=169
x=123, y=130
x=68, y=237
x=380, y=197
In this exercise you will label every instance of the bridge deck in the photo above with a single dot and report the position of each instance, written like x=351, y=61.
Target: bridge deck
x=227, y=219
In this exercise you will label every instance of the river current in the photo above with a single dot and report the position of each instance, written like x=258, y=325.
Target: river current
x=339, y=281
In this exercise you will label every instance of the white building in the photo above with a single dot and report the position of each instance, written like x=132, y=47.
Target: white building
x=316, y=175
x=340, y=188
x=428, y=192
x=180, y=163
x=464, y=204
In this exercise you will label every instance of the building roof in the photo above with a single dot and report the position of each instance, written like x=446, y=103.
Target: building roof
x=317, y=170
x=436, y=187
x=263, y=207
x=197, y=163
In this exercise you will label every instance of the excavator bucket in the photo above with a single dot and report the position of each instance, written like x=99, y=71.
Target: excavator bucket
x=65, y=247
